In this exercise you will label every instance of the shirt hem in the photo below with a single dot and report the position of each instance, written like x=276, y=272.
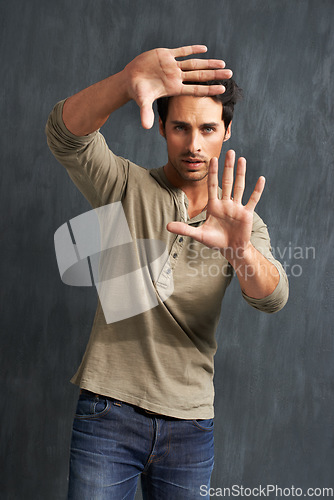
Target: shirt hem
x=184, y=414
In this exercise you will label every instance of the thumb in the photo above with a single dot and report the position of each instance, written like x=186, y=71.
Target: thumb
x=182, y=228
x=147, y=115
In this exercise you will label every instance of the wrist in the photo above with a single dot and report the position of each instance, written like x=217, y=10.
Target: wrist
x=239, y=255
x=125, y=80
x=118, y=90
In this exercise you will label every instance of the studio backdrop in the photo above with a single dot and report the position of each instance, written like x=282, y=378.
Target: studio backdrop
x=273, y=373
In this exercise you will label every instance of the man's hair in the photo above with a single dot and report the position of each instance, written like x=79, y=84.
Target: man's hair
x=229, y=98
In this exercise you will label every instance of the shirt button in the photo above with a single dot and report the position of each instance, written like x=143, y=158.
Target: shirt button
x=168, y=271
x=180, y=239
x=174, y=255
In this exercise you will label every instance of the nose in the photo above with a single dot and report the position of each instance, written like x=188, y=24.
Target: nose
x=194, y=142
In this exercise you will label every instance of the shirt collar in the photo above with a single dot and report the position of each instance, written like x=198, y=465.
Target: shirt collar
x=159, y=175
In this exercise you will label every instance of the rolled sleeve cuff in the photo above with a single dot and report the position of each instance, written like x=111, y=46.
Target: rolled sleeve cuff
x=277, y=299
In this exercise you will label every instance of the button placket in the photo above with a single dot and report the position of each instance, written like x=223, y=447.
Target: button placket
x=166, y=273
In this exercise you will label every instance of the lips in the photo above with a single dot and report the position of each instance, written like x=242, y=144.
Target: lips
x=193, y=162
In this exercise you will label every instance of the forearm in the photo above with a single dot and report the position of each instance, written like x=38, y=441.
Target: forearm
x=257, y=276
x=89, y=109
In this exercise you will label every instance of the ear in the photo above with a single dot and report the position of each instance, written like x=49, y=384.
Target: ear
x=228, y=132
x=162, y=128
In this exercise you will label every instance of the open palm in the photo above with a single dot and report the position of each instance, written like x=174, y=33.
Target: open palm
x=228, y=224
x=157, y=73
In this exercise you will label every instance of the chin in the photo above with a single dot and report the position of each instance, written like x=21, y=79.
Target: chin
x=195, y=176
x=190, y=175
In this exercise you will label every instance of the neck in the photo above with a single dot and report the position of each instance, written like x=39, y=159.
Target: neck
x=196, y=191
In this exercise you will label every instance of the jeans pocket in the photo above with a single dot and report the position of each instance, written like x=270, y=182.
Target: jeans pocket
x=204, y=424
x=92, y=407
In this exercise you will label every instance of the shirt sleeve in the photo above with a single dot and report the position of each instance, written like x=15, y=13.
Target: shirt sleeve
x=99, y=174
x=279, y=297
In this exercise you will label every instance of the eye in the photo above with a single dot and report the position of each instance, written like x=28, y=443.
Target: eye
x=179, y=128
x=208, y=130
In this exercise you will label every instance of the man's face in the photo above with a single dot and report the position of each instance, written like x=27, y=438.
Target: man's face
x=195, y=132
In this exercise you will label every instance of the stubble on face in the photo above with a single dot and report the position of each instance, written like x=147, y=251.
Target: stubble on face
x=186, y=172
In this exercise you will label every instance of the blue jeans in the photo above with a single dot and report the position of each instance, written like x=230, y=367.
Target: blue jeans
x=114, y=442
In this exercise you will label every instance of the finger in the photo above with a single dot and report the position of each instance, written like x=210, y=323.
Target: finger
x=192, y=64
x=187, y=50
x=182, y=228
x=227, y=179
x=239, y=184
x=147, y=116
x=256, y=194
x=213, y=179
x=204, y=75
x=202, y=90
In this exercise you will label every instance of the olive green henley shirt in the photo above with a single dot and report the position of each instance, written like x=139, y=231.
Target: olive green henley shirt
x=161, y=359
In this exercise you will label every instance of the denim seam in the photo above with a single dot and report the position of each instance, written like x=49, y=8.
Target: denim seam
x=168, y=448
x=148, y=462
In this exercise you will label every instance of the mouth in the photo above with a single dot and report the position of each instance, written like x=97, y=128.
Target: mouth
x=193, y=163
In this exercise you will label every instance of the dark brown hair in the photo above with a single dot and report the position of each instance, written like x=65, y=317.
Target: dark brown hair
x=229, y=98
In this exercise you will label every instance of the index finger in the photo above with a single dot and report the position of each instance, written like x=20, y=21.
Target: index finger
x=213, y=179
x=227, y=180
x=187, y=50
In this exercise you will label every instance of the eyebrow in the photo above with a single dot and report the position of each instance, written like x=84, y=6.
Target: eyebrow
x=210, y=124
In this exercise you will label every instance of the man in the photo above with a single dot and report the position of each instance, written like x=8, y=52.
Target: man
x=146, y=402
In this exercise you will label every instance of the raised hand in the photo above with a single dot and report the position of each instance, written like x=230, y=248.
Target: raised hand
x=157, y=73
x=228, y=225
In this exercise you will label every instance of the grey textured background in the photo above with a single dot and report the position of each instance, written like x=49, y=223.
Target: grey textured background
x=274, y=374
